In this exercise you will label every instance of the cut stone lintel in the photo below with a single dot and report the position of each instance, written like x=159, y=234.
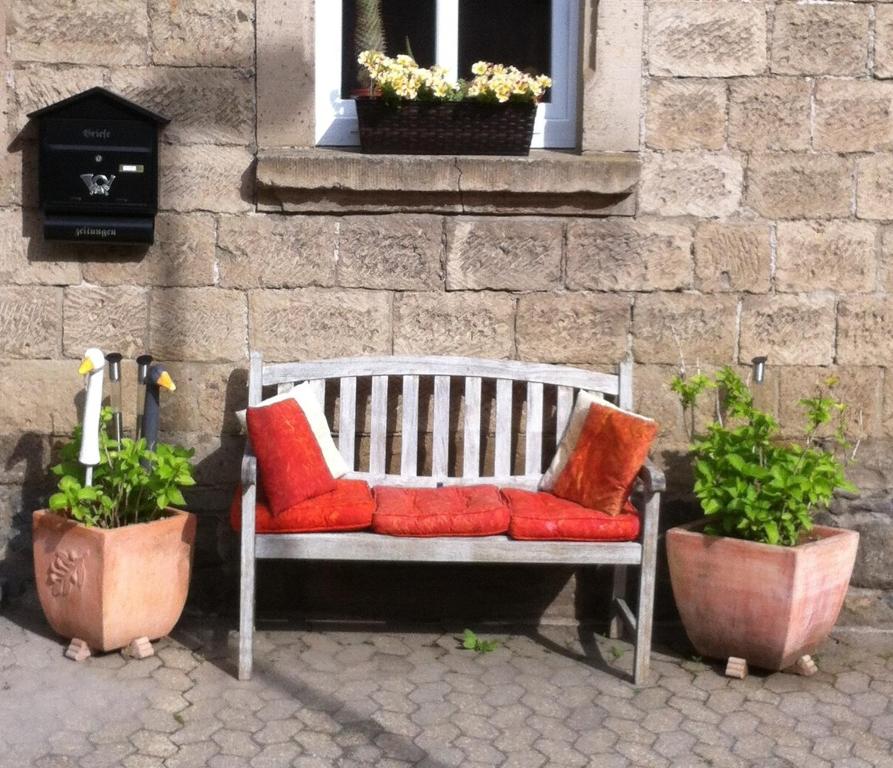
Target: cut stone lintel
x=558, y=183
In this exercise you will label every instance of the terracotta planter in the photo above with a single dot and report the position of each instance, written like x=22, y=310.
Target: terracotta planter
x=767, y=604
x=109, y=587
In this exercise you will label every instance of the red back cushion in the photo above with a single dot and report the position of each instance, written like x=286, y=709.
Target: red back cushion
x=291, y=464
x=611, y=449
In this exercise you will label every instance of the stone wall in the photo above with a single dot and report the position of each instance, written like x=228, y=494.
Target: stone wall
x=767, y=151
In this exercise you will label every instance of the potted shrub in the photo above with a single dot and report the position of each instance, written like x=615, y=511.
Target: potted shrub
x=757, y=580
x=112, y=559
x=416, y=110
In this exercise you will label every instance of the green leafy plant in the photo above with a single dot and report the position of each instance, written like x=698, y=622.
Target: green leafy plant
x=471, y=642
x=131, y=484
x=752, y=484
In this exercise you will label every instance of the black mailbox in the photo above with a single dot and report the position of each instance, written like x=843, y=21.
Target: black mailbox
x=98, y=168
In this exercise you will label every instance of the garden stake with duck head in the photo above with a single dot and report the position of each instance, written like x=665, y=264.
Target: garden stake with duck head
x=92, y=368
x=157, y=378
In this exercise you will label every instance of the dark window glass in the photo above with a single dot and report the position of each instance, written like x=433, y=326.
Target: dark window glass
x=402, y=22
x=515, y=32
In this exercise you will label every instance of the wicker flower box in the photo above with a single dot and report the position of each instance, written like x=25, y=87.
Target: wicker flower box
x=444, y=128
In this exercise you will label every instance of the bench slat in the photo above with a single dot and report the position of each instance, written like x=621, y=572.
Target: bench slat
x=484, y=549
x=378, y=444
x=441, y=438
x=347, y=420
x=471, y=459
x=563, y=404
x=533, y=449
x=274, y=373
x=319, y=390
x=503, y=461
x=409, y=446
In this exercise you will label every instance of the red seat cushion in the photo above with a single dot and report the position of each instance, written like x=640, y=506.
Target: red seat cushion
x=538, y=515
x=476, y=510
x=347, y=508
x=611, y=449
x=292, y=467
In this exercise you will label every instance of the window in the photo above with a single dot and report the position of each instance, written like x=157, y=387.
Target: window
x=536, y=35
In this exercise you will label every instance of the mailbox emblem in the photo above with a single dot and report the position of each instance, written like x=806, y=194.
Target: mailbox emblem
x=98, y=183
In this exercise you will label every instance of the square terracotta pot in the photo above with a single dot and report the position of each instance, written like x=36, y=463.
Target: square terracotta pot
x=110, y=586
x=767, y=604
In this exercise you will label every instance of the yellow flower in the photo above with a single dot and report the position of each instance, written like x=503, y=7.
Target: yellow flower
x=480, y=67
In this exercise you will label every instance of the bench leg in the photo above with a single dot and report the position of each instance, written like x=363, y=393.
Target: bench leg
x=642, y=661
x=246, y=601
x=618, y=592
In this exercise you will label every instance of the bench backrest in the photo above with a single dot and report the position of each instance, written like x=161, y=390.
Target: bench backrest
x=453, y=378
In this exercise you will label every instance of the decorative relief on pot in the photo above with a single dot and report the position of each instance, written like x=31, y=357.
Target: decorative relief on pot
x=67, y=570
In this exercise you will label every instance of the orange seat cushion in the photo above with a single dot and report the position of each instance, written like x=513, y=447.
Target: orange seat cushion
x=292, y=467
x=538, y=515
x=476, y=510
x=347, y=508
x=612, y=447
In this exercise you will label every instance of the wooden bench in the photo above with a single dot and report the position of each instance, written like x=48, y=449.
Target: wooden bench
x=343, y=376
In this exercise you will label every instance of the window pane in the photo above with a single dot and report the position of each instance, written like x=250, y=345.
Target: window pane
x=400, y=21
x=516, y=32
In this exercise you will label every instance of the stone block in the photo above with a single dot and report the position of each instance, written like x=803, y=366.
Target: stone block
x=654, y=398
x=310, y=323
x=620, y=255
x=30, y=322
x=790, y=330
x=24, y=458
x=820, y=39
x=112, y=33
x=391, y=252
x=198, y=324
x=668, y=327
x=883, y=41
x=203, y=177
x=716, y=39
x=853, y=115
x=39, y=396
x=513, y=254
x=473, y=324
x=183, y=255
x=686, y=114
x=860, y=388
x=573, y=327
x=202, y=33
x=732, y=256
x=113, y=319
x=37, y=86
x=767, y=113
x=789, y=186
x=863, y=333
x=10, y=173
x=207, y=395
x=874, y=186
x=872, y=569
x=217, y=458
x=691, y=184
x=205, y=106
x=885, y=272
x=269, y=251
x=826, y=256
x=25, y=257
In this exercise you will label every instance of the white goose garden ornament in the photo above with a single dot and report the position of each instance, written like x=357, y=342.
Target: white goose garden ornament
x=93, y=368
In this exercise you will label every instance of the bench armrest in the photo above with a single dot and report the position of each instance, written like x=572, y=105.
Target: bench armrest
x=652, y=478
x=249, y=467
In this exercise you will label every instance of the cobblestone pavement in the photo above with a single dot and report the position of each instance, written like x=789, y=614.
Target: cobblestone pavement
x=360, y=698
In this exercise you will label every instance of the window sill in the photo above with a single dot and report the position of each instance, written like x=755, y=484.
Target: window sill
x=547, y=182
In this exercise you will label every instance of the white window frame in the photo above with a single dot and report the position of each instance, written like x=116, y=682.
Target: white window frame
x=556, y=121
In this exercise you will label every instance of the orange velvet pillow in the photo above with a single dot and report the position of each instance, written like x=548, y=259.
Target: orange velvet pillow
x=611, y=449
x=290, y=463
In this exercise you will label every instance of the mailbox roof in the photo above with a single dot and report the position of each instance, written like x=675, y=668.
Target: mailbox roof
x=95, y=97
